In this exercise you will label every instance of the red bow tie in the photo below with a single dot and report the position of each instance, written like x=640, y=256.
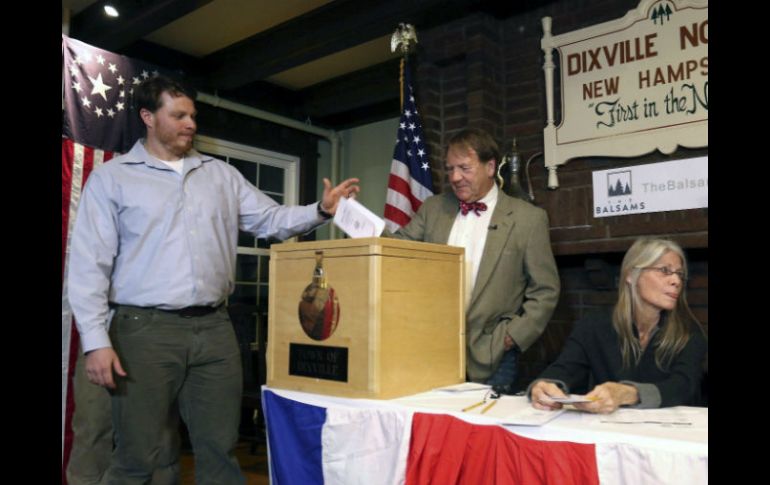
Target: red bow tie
x=476, y=207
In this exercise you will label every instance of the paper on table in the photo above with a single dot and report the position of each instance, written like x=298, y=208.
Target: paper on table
x=356, y=220
x=571, y=399
x=664, y=416
x=530, y=416
x=516, y=410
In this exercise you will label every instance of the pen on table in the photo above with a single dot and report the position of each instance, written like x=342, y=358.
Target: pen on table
x=473, y=406
x=489, y=406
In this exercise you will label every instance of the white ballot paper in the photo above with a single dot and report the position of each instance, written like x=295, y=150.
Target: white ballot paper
x=356, y=220
x=571, y=399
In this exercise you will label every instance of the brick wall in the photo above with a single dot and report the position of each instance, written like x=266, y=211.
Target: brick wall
x=484, y=72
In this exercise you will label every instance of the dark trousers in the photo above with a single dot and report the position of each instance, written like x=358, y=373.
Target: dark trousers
x=176, y=366
x=91, y=430
x=507, y=370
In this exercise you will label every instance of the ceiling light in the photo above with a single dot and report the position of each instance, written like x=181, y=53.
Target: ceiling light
x=110, y=10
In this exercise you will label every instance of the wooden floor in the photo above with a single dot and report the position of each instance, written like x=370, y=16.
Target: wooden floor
x=253, y=466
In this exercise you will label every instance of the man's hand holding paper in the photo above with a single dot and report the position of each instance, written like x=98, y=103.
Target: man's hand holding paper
x=356, y=220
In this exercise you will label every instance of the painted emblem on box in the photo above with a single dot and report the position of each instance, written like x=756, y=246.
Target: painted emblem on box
x=319, y=308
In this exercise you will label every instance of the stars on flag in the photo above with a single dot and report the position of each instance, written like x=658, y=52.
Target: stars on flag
x=411, y=132
x=103, y=77
x=97, y=88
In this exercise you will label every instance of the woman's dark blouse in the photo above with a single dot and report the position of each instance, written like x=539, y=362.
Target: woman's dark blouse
x=593, y=349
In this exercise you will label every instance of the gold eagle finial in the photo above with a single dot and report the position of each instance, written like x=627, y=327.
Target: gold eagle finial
x=404, y=38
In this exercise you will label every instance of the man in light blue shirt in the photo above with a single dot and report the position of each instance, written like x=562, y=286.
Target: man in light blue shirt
x=152, y=260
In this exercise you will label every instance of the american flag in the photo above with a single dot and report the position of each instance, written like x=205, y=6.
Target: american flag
x=98, y=122
x=410, y=181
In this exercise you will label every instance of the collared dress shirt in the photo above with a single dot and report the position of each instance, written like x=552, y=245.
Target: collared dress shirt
x=470, y=232
x=148, y=236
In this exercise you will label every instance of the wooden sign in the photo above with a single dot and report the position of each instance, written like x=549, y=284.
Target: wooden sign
x=629, y=86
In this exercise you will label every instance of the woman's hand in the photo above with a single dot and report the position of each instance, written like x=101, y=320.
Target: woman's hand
x=541, y=395
x=608, y=397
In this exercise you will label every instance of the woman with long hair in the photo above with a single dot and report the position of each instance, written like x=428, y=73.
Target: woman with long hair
x=648, y=352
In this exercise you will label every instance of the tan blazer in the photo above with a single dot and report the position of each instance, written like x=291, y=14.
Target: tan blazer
x=517, y=285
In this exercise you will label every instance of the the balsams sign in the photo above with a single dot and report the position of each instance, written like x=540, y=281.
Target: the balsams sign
x=632, y=85
x=656, y=187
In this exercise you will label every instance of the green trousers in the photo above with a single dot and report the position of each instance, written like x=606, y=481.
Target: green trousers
x=91, y=430
x=175, y=366
x=92, y=436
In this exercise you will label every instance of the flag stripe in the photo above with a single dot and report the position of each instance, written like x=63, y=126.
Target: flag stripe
x=449, y=450
x=375, y=457
x=72, y=165
x=400, y=196
x=627, y=463
x=399, y=170
x=66, y=190
x=294, y=429
x=78, y=162
x=396, y=217
x=401, y=202
x=67, y=172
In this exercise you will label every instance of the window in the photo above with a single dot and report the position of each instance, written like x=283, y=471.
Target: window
x=275, y=174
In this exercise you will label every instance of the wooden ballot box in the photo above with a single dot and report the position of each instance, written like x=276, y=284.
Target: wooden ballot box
x=371, y=317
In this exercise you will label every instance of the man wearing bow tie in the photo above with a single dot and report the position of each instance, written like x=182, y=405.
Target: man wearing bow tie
x=512, y=284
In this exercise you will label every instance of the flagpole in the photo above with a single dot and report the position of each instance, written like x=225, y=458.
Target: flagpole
x=335, y=141
x=401, y=82
x=403, y=39
x=410, y=181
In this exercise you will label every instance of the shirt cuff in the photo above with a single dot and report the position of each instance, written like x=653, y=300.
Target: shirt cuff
x=95, y=339
x=561, y=384
x=649, y=395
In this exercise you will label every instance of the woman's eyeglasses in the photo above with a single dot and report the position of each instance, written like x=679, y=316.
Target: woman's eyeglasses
x=666, y=271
